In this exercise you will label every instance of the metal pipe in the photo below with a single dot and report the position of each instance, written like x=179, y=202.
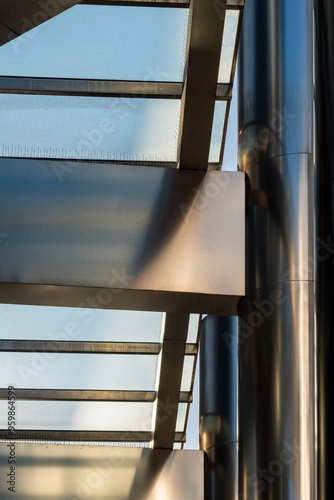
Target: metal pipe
x=276, y=339
x=218, y=406
x=324, y=120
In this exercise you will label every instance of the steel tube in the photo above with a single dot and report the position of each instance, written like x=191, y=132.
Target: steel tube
x=324, y=77
x=218, y=406
x=275, y=336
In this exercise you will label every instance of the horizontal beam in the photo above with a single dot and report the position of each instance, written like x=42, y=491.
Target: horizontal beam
x=86, y=347
x=87, y=395
x=100, y=88
x=79, y=347
x=83, y=436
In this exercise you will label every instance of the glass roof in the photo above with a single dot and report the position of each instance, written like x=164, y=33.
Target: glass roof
x=89, y=41
x=106, y=83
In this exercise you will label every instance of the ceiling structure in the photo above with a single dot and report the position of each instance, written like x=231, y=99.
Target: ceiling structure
x=133, y=383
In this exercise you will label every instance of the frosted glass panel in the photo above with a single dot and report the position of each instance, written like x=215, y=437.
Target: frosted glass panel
x=88, y=128
x=181, y=417
x=78, y=371
x=74, y=415
x=193, y=328
x=217, y=130
x=229, y=38
x=78, y=324
x=102, y=42
x=187, y=373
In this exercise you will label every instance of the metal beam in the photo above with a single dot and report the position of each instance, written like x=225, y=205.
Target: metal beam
x=174, y=342
x=86, y=347
x=205, y=32
x=103, y=236
x=79, y=347
x=100, y=88
x=87, y=395
x=83, y=436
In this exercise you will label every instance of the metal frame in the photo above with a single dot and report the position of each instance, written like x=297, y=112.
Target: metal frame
x=100, y=88
x=88, y=395
x=87, y=347
x=84, y=436
x=173, y=349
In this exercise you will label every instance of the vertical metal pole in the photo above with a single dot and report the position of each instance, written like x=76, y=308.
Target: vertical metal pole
x=218, y=406
x=276, y=334
x=324, y=81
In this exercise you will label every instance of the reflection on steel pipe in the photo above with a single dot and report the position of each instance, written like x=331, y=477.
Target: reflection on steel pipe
x=275, y=337
x=218, y=406
x=324, y=21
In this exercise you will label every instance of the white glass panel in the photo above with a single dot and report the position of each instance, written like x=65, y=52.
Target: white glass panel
x=187, y=373
x=193, y=328
x=74, y=415
x=217, y=130
x=226, y=57
x=102, y=42
x=78, y=324
x=78, y=371
x=88, y=127
x=181, y=417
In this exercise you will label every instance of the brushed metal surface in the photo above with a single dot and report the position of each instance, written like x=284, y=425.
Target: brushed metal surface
x=279, y=242
x=119, y=228
x=67, y=472
x=324, y=126
x=276, y=371
x=275, y=100
x=275, y=336
x=218, y=405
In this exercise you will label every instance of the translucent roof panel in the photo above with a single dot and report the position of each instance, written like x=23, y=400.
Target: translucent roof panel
x=89, y=41
x=78, y=371
x=228, y=46
x=181, y=417
x=217, y=131
x=88, y=128
x=193, y=328
x=187, y=375
x=80, y=415
x=78, y=324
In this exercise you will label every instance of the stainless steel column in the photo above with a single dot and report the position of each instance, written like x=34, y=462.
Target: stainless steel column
x=218, y=406
x=324, y=28
x=276, y=335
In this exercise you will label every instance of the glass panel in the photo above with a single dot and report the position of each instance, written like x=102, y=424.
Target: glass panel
x=88, y=127
x=181, y=417
x=226, y=57
x=75, y=415
x=102, y=42
x=193, y=328
x=78, y=371
x=187, y=373
x=76, y=324
x=177, y=446
x=217, y=130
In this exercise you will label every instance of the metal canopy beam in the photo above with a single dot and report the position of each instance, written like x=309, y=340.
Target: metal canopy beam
x=86, y=347
x=87, y=395
x=100, y=88
x=173, y=349
x=84, y=436
x=79, y=347
x=205, y=32
x=121, y=237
